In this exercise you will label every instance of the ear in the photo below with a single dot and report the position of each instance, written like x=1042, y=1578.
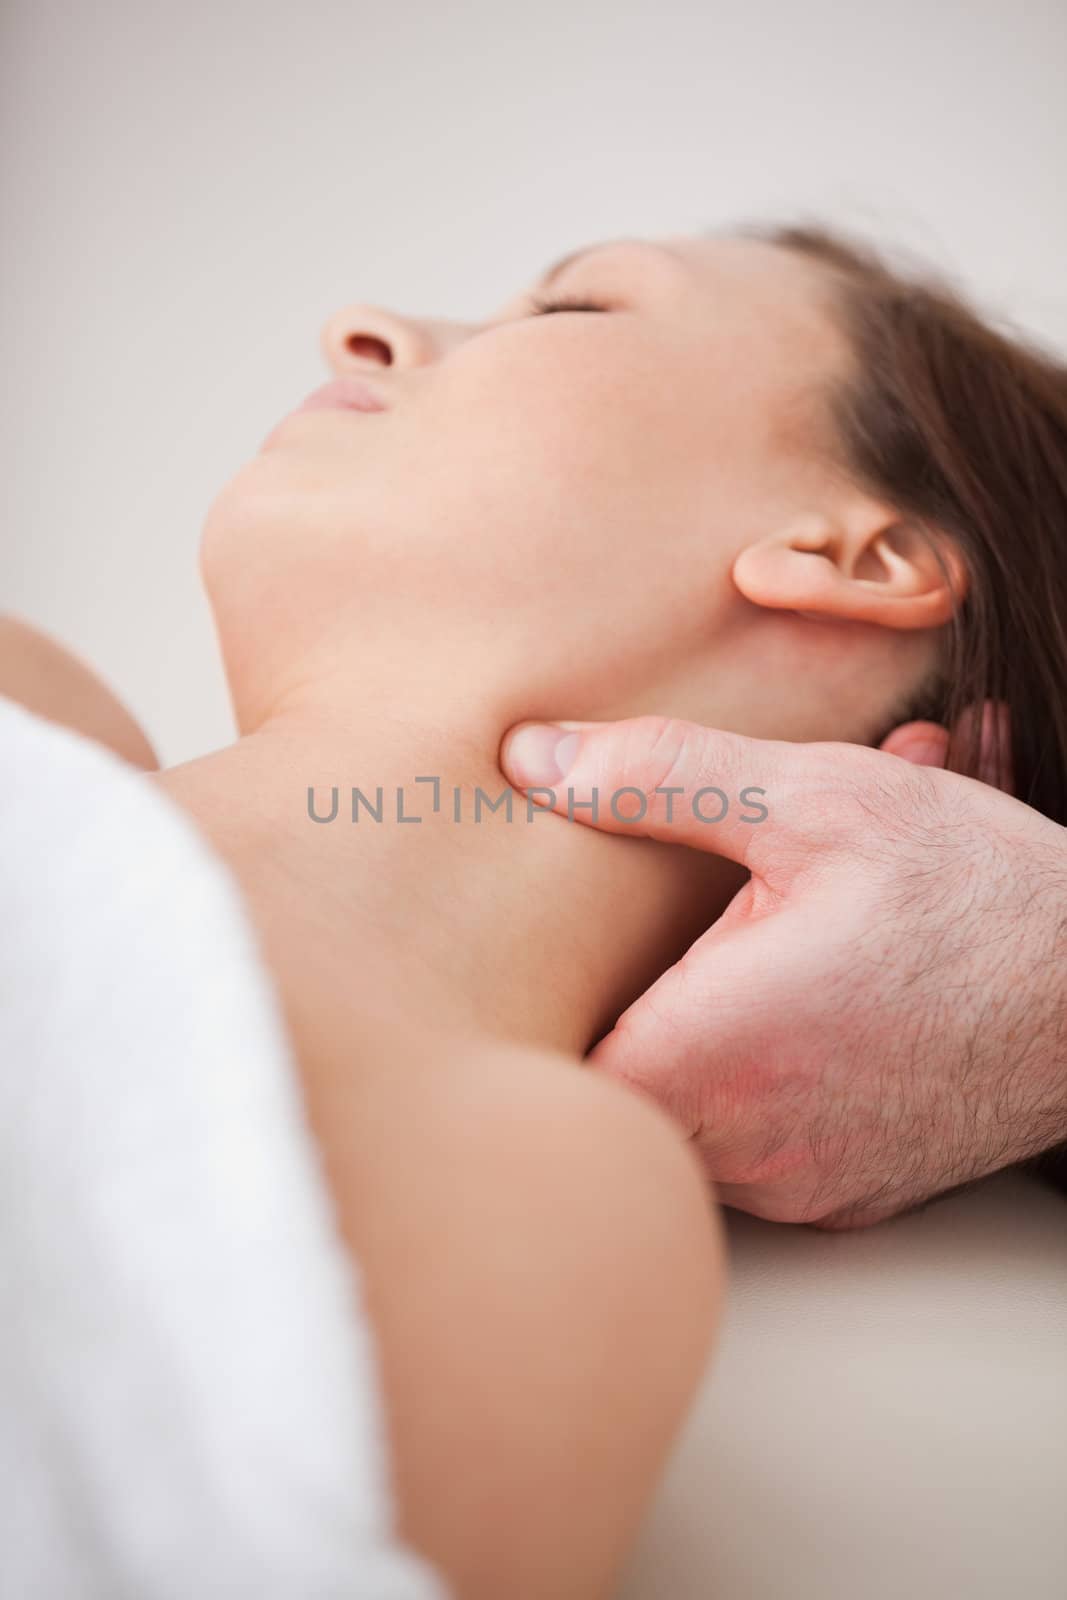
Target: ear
x=863, y=563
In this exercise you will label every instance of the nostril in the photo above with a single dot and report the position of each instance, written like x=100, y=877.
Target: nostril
x=366, y=346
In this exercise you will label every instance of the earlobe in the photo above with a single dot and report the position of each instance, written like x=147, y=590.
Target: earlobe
x=872, y=568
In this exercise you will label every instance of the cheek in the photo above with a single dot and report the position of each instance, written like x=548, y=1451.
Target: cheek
x=574, y=497
x=564, y=453
x=566, y=483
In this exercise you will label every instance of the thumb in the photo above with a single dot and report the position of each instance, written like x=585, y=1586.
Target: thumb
x=656, y=777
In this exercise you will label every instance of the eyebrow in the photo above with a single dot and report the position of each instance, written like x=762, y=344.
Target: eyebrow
x=557, y=267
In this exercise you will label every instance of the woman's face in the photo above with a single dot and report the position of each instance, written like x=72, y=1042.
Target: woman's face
x=560, y=495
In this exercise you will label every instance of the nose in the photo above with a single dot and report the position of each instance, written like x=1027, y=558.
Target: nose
x=360, y=337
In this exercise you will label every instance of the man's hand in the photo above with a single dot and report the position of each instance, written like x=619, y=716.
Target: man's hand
x=881, y=1012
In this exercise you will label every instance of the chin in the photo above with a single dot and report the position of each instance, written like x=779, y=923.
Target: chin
x=255, y=518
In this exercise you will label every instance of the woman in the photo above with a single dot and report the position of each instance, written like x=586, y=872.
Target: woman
x=757, y=480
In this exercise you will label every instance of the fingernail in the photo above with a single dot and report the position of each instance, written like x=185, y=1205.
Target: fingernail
x=539, y=753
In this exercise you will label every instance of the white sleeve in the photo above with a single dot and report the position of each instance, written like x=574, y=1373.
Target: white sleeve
x=189, y=1400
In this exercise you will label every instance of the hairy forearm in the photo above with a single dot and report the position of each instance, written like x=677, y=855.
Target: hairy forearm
x=1048, y=1050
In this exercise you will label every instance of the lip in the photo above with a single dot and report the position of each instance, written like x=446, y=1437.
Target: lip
x=342, y=394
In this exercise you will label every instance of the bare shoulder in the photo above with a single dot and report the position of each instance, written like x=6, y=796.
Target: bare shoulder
x=512, y=1092
x=41, y=674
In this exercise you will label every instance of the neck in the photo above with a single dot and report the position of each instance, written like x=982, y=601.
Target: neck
x=534, y=929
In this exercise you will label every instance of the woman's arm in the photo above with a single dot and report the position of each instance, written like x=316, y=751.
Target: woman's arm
x=43, y=676
x=543, y=1265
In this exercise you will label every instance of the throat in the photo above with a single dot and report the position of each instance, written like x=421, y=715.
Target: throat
x=389, y=872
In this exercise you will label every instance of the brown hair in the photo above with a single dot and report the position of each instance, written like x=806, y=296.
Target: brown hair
x=963, y=428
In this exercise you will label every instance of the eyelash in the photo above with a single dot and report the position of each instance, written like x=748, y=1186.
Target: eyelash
x=544, y=308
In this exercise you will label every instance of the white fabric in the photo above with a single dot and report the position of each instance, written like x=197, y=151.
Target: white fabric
x=189, y=1403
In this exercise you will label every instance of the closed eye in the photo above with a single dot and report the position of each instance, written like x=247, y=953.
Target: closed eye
x=544, y=308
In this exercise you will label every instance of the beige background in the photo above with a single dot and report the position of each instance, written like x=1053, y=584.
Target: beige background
x=188, y=190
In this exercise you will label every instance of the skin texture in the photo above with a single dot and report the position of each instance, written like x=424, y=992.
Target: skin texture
x=581, y=515
x=608, y=512
x=585, y=514
x=48, y=679
x=881, y=1013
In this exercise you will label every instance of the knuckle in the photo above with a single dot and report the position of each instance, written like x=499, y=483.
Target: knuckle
x=855, y=791
x=659, y=752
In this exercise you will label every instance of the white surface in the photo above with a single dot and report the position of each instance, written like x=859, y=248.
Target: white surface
x=189, y=190
x=886, y=1416
x=189, y=1400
